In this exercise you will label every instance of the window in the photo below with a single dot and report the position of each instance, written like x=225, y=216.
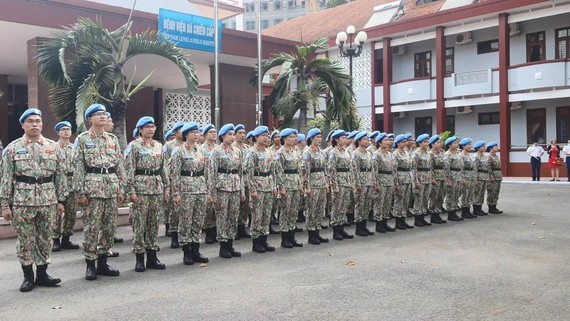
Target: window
x=449, y=60
x=264, y=6
x=423, y=64
x=423, y=126
x=536, y=125
x=277, y=21
x=380, y=122
x=451, y=124
x=535, y=46
x=487, y=46
x=250, y=7
x=420, y=2
x=277, y=5
x=250, y=25
x=291, y=4
x=489, y=118
x=379, y=69
x=302, y=3
x=264, y=24
x=562, y=123
x=562, y=43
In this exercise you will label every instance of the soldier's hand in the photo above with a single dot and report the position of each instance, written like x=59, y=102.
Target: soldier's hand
x=417, y=185
x=166, y=195
x=464, y=182
x=275, y=193
x=242, y=198
x=82, y=200
x=177, y=199
x=133, y=198
x=121, y=198
x=433, y=182
x=254, y=195
x=60, y=208
x=308, y=192
x=7, y=214
x=337, y=190
x=213, y=200
x=377, y=188
x=397, y=188
x=449, y=183
x=283, y=192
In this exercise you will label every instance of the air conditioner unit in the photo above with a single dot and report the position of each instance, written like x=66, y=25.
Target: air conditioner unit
x=516, y=105
x=515, y=29
x=463, y=38
x=462, y=110
x=400, y=114
x=398, y=50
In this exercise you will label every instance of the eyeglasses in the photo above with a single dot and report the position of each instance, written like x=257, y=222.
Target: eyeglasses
x=65, y=129
x=99, y=113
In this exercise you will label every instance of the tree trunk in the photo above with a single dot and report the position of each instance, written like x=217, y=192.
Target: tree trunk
x=119, y=119
x=303, y=118
x=326, y=130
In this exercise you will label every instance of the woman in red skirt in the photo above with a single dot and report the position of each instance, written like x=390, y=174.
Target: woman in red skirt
x=554, y=160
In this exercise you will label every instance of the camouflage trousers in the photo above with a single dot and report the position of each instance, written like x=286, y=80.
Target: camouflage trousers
x=63, y=225
x=33, y=224
x=402, y=201
x=340, y=205
x=329, y=203
x=493, y=190
x=351, y=203
x=168, y=209
x=277, y=207
x=244, y=209
x=289, y=211
x=191, y=212
x=363, y=203
x=303, y=203
x=421, y=199
x=480, y=188
x=452, y=194
x=210, y=219
x=437, y=194
x=383, y=203
x=467, y=194
x=227, y=212
x=146, y=214
x=99, y=222
x=261, y=214
x=412, y=197
x=316, y=208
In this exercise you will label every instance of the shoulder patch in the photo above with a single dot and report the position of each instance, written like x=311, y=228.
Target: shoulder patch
x=248, y=155
x=76, y=143
x=277, y=156
x=174, y=152
x=305, y=156
x=210, y=154
x=331, y=155
x=164, y=149
x=128, y=150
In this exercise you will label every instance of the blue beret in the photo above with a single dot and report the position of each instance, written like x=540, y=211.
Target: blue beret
x=225, y=129
x=248, y=136
x=339, y=133
x=374, y=134
x=177, y=126
x=108, y=114
x=28, y=113
x=380, y=137
x=300, y=138
x=61, y=124
x=288, y=131
x=407, y=136
x=260, y=130
x=93, y=109
x=135, y=132
x=360, y=135
x=491, y=145
x=144, y=121
x=422, y=137
x=399, y=138
x=353, y=134
x=168, y=134
x=390, y=135
x=188, y=127
x=434, y=139
x=273, y=133
x=478, y=144
x=313, y=132
x=450, y=140
x=465, y=141
x=209, y=127
x=239, y=127
x=329, y=136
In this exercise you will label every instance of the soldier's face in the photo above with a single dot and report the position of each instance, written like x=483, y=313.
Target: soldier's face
x=494, y=149
x=277, y=140
x=229, y=137
x=147, y=131
x=385, y=143
x=424, y=144
x=99, y=119
x=343, y=141
x=109, y=125
x=467, y=147
x=411, y=144
x=263, y=139
x=240, y=136
x=64, y=133
x=193, y=136
x=290, y=140
x=401, y=145
x=437, y=145
x=317, y=140
x=33, y=126
x=454, y=145
x=178, y=134
x=364, y=142
x=211, y=135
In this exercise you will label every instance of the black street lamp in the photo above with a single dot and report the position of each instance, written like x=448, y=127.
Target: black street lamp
x=354, y=48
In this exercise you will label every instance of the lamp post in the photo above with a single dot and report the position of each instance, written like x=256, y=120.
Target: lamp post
x=354, y=48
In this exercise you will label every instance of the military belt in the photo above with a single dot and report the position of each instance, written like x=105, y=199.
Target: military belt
x=69, y=174
x=401, y=169
x=290, y=171
x=35, y=180
x=453, y=169
x=227, y=171
x=149, y=172
x=385, y=172
x=262, y=174
x=365, y=169
x=317, y=170
x=342, y=170
x=482, y=171
x=423, y=169
x=438, y=167
x=97, y=170
x=467, y=169
x=192, y=174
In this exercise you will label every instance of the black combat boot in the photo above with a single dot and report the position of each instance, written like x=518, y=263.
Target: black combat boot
x=66, y=244
x=379, y=227
x=167, y=230
x=210, y=235
x=451, y=216
x=233, y=251
x=423, y=219
x=320, y=238
x=196, y=255
x=359, y=230
x=28, y=284
x=152, y=262
x=117, y=240
x=105, y=269
x=349, y=219
x=337, y=235
x=344, y=234
x=418, y=221
x=224, y=250
x=174, y=242
x=56, y=247
x=323, y=226
x=266, y=245
x=242, y=232
x=478, y=210
x=285, y=240
x=187, y=258
x=301, y=217
x=406, y=223
x=256, y=245
x=298, y=229
x=91, y=271
x=465, y=213
x=272, y=231
x=293, y=241
x=387, y=227
x=139, y=265
x=400, y=223
x=365, y=228
x=494, y=210
x=313, y=239
x=436, y=219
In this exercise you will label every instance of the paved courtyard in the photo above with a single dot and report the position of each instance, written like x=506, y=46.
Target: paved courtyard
x=514, y=266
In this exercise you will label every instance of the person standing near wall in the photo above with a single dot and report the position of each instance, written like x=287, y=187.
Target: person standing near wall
x=554, y=160
x=535, y=152
x=495, y=178
x=469, y=178
x=566, y=152
x=482, y=177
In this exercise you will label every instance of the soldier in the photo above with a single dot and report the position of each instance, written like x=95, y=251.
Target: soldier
x=301, y=144
x=249, y=139
x=226, y=187
x=109, y=126
x=276, y=208
x=169, y=146
x=189, y=188
x=495, y=178
x=209, y=132
x=98, y=184
x=351, y=147
x=314, y=185
x=287, y=174
x=244, y=211
x=403, y=181
x=391, y=138
x=341, y=183
x=454, y=183
x=469, y=175
x=385, y=169
x=169, y=136
x=362, y=167
x=439, y=168
x=63, y=225
x=410, y=148
x=148, y=185
x=422, y=180
x=33, y=182
x=482, y=178
x=329, y=202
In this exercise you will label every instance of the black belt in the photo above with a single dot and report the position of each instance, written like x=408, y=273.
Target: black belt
x=69, y=174
x=342, y=170
x=423, y=169
x=35, y=180
x=455, y=169
x=495, y=169
x=97, y=170
x=262, y=174
x=192, y=174
x=149, y=172
x=467, y=170
x=290, y=171
x=400, y=169
x=227, y=171
x=365, y=169
x=385, y=172
x=438, y=167
x=317, y=170
x=482, y=171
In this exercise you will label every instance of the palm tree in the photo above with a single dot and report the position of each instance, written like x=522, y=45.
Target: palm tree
x=84, y=65
x=304, y=80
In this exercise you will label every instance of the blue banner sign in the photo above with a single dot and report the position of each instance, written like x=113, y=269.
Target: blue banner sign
x=189, y=31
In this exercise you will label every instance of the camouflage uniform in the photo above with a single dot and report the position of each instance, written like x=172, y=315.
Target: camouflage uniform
x=362, y=167
x=287, y=174
x=63, y=225
x=454, y=178
x=260, y=179
x=422, y=181
x=147, y=177
x=385, y=171
x=495, y=179
x=341, y=178
x=440, y=167
x=469, y=176
x=277, y=206
x=303, y=206
x=189, y=181
x=403, y=179
x=210, y=219
x=170, y=208
x=33, y=203
x=313, y=163
x=482, y=169
x=244, y=209
x=99, y=175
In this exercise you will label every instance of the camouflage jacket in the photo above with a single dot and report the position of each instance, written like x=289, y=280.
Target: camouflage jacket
x=260, y=170
x=288, y=169
x=225, y=170
x=41, y=158
x=207, y=147
x=482, y=166
x=193, y=162
x=313, y=163
x=100, y=151
x=468, y=166
x=141, y=156
x=421, y=167
x=385, y=168
x=68, y=152
x=495, y=167
x=403, y=167
x=455, y=163
x=243, y=151
x=439, y=165
x=169, y=147
x=363, y=167
x=327, y=150
x=339, y=169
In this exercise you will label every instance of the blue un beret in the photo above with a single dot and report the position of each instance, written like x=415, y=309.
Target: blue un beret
x=177, y=126
x=135, y=132
x=288, y=131
x=381, y=137
x=313, y=132
x=450, y=140
x=239, y=127
x=360, y=135
x=28, y=113
x=478, y=144
x=188, y=127
x=144, y=121
x=407, y=136
x=398, y=139
x=61, y=124
x=108, y=115
x=207, y=128
x=300, y=138
x=422, y=137
x=273, y=133
x=353, y=134
x=329, y=136
x=225, y=129
x=491, y=145
x=434, y=139
x=248, y=135
x=168, y=134
x=93, y=109
x=374, y=134
x=339, y=133
x=465, y=141
x=260, y=130
x=390, y=135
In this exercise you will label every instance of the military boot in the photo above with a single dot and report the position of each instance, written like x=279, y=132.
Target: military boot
x=174, y=242
x=117, y=240
x=494, y=210
x=210, y=235
x=196, y=255
x=286, y=241
x=337, y=235
x=359, y=230
x=379, y=227
x=436, y=219
x=152, y=262
x=478, y=210
x=349, y=219
x=344, y=234
x=28, y=284
x=105, y=269
x=406, y=223
x=387, y=227
x=451, y=216
x=321, y=239
x=187, y=258
x=400, y=224
x=301, y=217
x=293, y=241
x=313, y=239
x=91, y=271
x=233, y=251
x=298, y=229
x=242, y=232
x=66, y=244
x=423, y=219
x=167, y=230
x=465, y=213
x=256, y=245
x=266, y=245
x=418, y=221
x=56, y=247
x=224, y=251
x=365, y=228
x=139, y=265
